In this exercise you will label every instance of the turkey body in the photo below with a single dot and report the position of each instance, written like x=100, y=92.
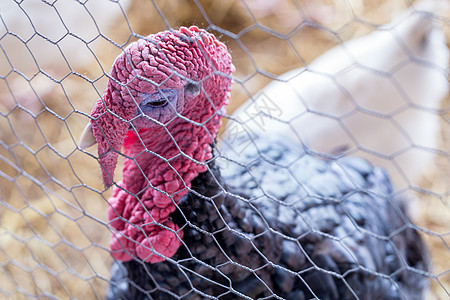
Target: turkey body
x=272, y=222
x=251, y=220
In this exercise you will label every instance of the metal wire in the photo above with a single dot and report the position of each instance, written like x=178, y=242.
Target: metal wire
x=54, y=62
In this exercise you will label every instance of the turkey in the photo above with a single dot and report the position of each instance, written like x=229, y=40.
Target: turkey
x=375, y=97
x=273, y=221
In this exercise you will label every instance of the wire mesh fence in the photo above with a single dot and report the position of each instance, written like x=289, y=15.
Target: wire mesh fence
x=55, y=62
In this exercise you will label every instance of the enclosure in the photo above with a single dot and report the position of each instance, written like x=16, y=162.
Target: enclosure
x=54, y=59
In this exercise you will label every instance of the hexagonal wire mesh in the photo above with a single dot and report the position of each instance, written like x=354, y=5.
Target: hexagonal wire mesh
x=367, y=99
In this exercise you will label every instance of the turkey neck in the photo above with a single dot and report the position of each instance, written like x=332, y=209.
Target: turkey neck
x=160, y=165
x=168, y=157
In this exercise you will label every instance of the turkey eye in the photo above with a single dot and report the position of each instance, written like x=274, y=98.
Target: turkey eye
x=158, y=103
x=158, y=100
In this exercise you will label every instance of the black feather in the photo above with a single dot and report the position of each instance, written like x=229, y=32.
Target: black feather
x=273, y=220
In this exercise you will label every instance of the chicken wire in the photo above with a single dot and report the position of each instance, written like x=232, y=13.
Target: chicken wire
x=55, y=57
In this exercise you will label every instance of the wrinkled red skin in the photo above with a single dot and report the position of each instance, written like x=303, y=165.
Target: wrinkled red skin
x=160, y=160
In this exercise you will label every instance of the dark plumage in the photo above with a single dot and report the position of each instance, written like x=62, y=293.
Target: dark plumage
x=269, y=225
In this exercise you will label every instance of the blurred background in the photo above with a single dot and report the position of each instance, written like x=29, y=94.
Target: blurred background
x=54, y=57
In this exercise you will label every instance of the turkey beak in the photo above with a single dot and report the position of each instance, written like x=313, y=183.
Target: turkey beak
x=87, y=137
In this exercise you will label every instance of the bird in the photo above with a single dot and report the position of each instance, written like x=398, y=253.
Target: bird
x=376, y=97
x=192, y=221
